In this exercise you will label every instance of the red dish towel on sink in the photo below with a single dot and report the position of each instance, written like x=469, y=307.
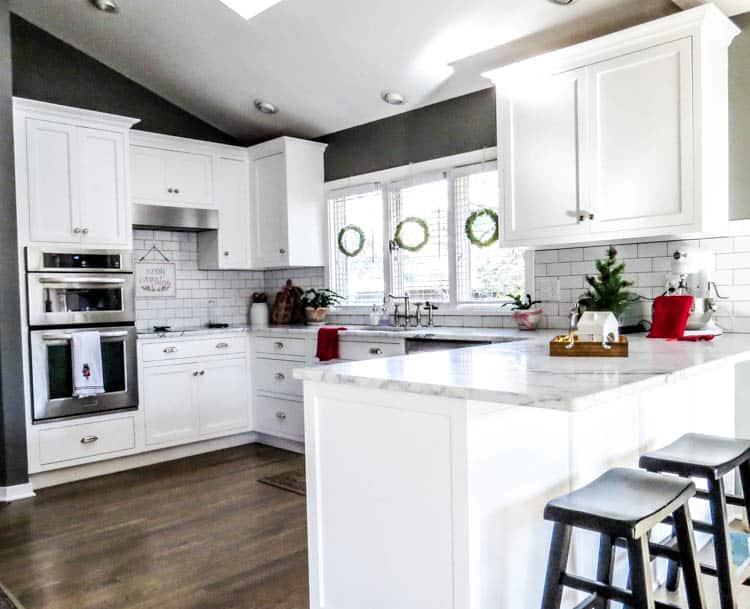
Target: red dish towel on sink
x=670, y=316
x=328, y=344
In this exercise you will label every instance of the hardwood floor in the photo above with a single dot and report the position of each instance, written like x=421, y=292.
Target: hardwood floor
x=196, y=533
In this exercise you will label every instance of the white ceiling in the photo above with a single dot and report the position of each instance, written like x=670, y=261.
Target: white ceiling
x=323, y=62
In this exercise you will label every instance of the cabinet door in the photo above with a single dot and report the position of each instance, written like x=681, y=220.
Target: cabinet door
x=642, y=139
x=169, y=403
x=232, y=200
x=148, y=180
x=222, y=396
x=104, y=207
x=541, y=135
x=52, y=182
x=189, y=177
x=270, y=218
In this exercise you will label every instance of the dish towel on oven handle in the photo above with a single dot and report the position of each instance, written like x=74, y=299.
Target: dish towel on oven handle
x=88, y=379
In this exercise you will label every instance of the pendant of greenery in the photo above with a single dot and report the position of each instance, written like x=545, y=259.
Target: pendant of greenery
x=469, y=227
x=415, y=247
x=320, y=298
x=519, y=303
x=360, y=245
x=609, y=290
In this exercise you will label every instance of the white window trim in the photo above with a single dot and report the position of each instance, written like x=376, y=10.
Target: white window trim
x=451, y=166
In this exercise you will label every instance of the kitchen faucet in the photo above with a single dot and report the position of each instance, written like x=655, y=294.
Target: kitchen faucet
x=396, y=315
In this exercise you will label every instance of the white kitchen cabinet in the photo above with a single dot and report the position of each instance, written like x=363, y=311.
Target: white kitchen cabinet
x=169, y=405
x=171, y=171
x=221, y=396
x=544, y=119
x=71, y=176
x=620, y=137
x=229, y=246
x=288, y=203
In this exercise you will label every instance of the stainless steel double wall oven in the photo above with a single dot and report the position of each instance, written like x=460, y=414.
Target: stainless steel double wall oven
x=71, y=291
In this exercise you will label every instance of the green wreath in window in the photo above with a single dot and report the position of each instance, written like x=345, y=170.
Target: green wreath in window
x=349, y=229
x=407, y=223
x=489, y=227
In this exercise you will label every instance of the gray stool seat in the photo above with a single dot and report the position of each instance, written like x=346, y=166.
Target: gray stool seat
x=622, y=502
x=698, y=455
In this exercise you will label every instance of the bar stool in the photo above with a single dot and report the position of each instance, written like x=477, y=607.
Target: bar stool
x=709, y=458
x=621, y=504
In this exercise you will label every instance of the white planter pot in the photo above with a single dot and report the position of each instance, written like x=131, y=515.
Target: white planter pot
x=259, y=315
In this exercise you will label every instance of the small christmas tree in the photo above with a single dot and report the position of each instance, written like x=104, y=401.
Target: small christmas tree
x=608, y=291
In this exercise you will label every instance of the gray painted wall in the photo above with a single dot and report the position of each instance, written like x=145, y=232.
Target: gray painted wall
x=48, y=69
x=468, y=123
x=13, y=463
x=739, y=120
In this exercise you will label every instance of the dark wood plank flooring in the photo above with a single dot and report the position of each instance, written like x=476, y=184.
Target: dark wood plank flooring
x=195, y=533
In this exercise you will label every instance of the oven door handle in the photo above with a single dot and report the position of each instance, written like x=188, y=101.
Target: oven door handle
x=70, y=336
x=83, y=280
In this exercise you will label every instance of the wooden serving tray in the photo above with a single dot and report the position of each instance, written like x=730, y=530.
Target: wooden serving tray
x=558, y=348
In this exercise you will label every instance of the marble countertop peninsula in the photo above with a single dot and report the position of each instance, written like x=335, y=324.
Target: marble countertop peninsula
x=522, y=373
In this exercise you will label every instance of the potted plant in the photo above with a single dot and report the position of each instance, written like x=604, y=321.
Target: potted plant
x=525, y=315
x=608, y=291
x=317, y=304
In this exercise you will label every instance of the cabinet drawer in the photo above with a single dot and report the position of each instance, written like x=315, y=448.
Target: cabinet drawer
x=85, y=440
x=353, y=350
x=280, y=346
x=176, y=350
x=278, y=417
x=275, y=376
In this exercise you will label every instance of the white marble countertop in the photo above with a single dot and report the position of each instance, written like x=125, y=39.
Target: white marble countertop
x=522, y=373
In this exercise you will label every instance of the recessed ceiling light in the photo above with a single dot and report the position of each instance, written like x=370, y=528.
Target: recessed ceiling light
x=393, y=98
x=265, y=107
x=108, y=6
x=249, y=8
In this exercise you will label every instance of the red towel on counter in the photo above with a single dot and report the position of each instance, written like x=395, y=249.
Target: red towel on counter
x=328, y=344
x=670, y=316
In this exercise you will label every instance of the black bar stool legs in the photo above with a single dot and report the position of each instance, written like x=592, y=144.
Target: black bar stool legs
x=605, y=566
x=556, y=564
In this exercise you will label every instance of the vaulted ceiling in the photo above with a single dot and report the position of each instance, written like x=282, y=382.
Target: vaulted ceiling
x=323, y=62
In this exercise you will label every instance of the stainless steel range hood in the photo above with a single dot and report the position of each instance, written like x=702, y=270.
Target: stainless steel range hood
x=175, y=218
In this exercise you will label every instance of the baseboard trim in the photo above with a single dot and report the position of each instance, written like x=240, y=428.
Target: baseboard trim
x=16, y=492
x=282, y=443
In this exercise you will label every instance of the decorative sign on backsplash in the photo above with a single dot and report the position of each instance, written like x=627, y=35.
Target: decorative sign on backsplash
x=155, y=280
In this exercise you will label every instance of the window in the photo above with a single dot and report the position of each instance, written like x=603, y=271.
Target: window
x=483, y=274
x=360, y=279
x=448, y=269
x=423, y=275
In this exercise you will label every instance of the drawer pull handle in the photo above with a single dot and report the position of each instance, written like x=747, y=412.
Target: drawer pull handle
x=279, y=376
x=170, y=349
x=279, y=345
x=281, y=415
x=222, y=345
x=376, y=351
x=89, y=439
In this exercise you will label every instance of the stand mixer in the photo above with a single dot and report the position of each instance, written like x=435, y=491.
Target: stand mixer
x=691, y=274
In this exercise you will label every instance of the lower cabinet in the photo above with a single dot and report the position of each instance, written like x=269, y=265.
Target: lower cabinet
x=184, y=402
x=280, y=417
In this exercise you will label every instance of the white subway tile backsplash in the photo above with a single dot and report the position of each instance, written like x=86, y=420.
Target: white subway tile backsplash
x=545, y=257
x=651, y=250
x=571, y=255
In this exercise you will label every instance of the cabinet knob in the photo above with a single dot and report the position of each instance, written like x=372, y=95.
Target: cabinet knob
x=195, y=373
x=376, y=351
x=281, y=415
x=170, y=190
x=591, y=216
x=85, y=231
x=279, y=376
x=279, y=345
x=226, y=253
x=202, y=372
x=177, y=191
x=222, y=345
x=282, y=251
x=170, y=349
x=76, y=230
x=89, y=439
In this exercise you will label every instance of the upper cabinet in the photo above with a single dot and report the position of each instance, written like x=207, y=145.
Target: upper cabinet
x=171, y=171
x=71, y=176
x=620, y=137
x=288, y=203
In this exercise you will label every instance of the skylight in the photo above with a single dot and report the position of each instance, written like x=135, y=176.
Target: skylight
x=249, y=8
